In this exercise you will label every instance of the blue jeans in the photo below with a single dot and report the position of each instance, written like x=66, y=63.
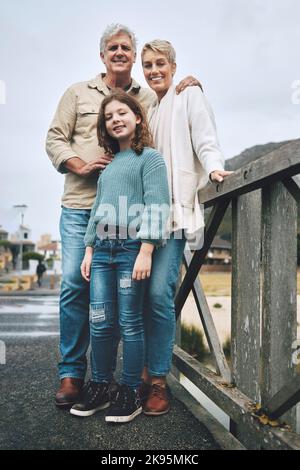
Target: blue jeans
x=116, y=298
x=159, y=308
x=74, y=296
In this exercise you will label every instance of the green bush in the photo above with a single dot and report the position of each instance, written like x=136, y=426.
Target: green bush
x=50, y=263
x=227, y=347
x=192, y=341
x=33, y=255
x=5, y=243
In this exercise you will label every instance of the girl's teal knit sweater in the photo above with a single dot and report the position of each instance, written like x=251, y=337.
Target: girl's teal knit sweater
x=132, y=191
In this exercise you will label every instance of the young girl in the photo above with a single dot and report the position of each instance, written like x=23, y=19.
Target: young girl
x=128, y=219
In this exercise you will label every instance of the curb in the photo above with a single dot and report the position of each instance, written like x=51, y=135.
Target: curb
x=220, y=434
x=32, y=293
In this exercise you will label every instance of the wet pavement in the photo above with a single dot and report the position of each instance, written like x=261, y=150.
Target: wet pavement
x=29, y=337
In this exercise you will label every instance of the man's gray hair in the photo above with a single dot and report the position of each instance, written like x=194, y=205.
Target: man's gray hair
x=113, y=29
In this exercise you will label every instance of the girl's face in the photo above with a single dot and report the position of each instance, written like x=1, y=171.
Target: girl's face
x=120, y=123
x=158, y=72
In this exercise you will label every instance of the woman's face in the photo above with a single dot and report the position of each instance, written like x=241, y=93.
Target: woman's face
x=158, y=72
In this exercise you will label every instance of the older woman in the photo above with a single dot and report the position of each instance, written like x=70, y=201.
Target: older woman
x=184, y=132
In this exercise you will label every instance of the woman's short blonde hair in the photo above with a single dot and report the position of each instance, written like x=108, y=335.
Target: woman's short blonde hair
x=164, y=47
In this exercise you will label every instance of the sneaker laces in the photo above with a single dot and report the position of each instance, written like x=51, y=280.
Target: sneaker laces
x=123, y=397
x=92, y=390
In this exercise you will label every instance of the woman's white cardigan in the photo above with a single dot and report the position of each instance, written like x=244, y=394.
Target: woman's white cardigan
x=195, y=153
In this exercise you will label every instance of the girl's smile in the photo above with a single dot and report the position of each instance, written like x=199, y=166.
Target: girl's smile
x=121, y=123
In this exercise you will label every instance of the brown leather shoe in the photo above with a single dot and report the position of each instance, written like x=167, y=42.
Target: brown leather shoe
x=69, y=392
x=144, y=391
x=158, y=401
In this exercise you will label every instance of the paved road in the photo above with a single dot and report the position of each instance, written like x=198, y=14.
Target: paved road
x=28, y=418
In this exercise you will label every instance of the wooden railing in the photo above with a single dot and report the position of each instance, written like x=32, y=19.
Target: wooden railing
x=261, y=384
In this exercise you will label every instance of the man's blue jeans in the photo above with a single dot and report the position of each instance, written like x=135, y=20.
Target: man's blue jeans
x=159, y=308
x=116, y=298
x=74, y=297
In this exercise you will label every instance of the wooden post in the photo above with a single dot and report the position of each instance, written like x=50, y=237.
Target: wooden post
x=279, y=319
x=245, y=329
x=209, y=328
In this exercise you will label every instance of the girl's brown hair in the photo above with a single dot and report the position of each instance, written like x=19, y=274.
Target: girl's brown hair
x=142, y=137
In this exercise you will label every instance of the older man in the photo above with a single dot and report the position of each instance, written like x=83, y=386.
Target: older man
x=73, y=149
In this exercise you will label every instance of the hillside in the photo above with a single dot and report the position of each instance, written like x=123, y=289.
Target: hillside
x=247, y=156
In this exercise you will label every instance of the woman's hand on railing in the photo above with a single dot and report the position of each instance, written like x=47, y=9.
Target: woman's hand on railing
x=219, y=175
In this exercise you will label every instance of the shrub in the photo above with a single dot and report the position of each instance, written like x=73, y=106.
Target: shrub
x=5, y=243
x=192, y=341
x=217, y=305
x=50, y=263
x=32, y=255
x=227, y=347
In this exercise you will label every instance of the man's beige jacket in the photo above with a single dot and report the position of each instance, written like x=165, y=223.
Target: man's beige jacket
x=73, y=134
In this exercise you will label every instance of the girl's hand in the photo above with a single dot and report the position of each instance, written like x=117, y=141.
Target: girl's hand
x=219, y=175
x=85, y=267
x=143, y=262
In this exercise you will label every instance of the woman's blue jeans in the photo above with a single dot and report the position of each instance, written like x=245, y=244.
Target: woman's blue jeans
x=159, y=308
x=116, y=298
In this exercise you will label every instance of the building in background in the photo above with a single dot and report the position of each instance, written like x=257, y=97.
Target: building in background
x=3, y=234
x=21, y=243
x=219, y=256
x=51, y=249
x=6, y=257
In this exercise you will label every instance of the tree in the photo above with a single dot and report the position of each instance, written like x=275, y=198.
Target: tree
x=5, y=243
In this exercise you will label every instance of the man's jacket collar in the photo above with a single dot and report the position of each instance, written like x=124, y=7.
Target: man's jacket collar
x=98, y=83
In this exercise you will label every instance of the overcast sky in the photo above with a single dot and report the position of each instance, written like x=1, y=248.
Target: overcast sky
x=245, y=52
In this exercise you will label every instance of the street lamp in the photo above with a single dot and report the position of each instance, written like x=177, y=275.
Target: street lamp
x=20, y=208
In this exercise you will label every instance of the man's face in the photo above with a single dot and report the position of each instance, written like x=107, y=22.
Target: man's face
x=118, y=56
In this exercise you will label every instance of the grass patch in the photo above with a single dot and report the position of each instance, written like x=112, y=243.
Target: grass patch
x=216, y=283
x=192, y=341
x=220, y=283
x=227, y=348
